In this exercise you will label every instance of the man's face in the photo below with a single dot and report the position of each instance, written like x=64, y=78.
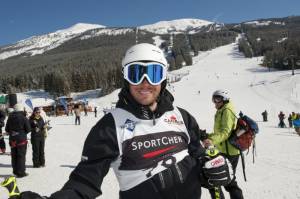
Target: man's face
x=218, y=101
x=145, y=93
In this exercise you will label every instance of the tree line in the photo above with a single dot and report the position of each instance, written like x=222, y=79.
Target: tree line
x=278, y=43
x=84, y=64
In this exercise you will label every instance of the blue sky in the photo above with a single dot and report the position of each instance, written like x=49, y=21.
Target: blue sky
x=20, y=19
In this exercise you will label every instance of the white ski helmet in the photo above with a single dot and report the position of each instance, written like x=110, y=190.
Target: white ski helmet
x=144, y=52
x=223, y=93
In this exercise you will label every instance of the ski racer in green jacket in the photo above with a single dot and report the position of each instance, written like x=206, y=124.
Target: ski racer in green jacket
x=224, y=124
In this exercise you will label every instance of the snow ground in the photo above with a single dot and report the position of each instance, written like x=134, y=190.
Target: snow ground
x=276, y=172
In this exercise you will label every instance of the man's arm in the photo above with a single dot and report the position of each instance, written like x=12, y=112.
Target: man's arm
x=100, y=149
x=195, y=148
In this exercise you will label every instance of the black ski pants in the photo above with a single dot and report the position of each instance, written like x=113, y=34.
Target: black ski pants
x=190, y=189
x=18, y=159
x=2, y=144
x=232, y=188
x=38, y=150
x=77, y=120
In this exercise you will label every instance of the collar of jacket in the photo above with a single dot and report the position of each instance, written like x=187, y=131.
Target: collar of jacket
x=37, y=117
x=227, y=105
x=128, y=103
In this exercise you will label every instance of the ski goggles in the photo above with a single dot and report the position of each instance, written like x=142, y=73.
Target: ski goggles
x=217, y=99
x=154, y=72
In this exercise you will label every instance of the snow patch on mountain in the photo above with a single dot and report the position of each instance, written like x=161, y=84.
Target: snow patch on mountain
x=175, y=26
x=106, y=31
x=264, y=23
x=39, y=44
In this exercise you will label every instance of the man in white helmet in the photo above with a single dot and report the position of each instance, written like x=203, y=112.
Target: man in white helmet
x=153, y=147
x=224, y=124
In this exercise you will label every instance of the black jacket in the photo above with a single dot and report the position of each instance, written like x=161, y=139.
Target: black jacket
x=17, y=126
x=37, y=126
x=2, y=118
x=101, y=146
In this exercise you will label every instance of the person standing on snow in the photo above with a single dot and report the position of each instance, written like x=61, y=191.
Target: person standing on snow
x=85, y=109
x=153, y=147
x=225, y=123
x=37, y=138
x=265, y=116
x=290, y=120
x=95, y=110
x=2, y=124
x=281, y=117
x=77, y=112
x=17, y=127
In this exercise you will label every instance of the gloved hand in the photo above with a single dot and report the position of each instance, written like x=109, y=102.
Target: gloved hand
x=207, y=143
x=11, y=185
x=30, y=195
x=217, y=169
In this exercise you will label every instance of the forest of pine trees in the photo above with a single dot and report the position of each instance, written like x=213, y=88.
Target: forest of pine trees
x=278, y=43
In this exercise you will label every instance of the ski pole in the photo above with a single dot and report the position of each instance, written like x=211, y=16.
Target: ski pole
x=10, y=184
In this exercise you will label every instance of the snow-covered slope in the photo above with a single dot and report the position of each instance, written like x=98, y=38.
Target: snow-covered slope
x=106, y=31
x=39, y=44
x=253, y=89
x=176, y=26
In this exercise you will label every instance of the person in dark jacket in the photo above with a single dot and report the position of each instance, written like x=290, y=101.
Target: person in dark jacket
x=18, y=127
x=95, y=110
x=153, y=146
x=281, y=117
x=37, y=138
x=265, y=116
x=2, y=124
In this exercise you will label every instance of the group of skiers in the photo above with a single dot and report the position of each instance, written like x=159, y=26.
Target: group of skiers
x=17, y=126
x=293, y=120
x=156, y=149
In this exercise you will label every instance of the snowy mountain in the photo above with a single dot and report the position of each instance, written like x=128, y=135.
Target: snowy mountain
x=176, y=26
x=39, y=44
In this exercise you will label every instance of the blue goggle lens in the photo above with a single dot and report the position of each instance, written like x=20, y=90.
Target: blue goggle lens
x=154, y=72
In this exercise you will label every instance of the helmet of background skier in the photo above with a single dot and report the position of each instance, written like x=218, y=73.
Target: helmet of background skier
x=144, y=52
x=222, y=93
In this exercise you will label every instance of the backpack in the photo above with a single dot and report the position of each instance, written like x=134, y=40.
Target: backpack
x=244, y=134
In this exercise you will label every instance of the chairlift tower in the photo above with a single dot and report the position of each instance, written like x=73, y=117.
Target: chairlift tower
x=136, y=34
